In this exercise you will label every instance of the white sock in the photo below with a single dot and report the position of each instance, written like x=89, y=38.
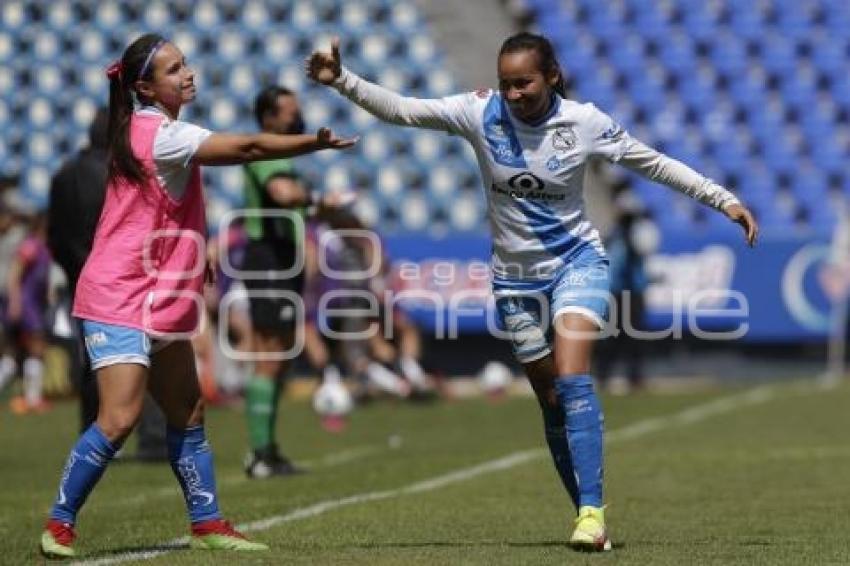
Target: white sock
x=331, y=374
x=413, y=372
x=7, y=370
x=384, y=379
x=33, y=381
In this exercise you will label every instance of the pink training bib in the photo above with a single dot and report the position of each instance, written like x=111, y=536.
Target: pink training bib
x=146, y=268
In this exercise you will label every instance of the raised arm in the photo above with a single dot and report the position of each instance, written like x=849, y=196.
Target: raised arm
x=447, y=114
x=233, y=149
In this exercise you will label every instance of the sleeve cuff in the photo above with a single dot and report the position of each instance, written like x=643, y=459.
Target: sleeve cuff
x=344, y=75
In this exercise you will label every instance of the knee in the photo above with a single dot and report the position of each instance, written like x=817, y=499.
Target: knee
x=116, y=424
x=569, y=364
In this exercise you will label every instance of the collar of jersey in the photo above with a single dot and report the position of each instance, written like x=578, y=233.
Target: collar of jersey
x=554, y=106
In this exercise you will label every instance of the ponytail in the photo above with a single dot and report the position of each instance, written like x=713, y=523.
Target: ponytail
x=135, y=64
x=543, y=47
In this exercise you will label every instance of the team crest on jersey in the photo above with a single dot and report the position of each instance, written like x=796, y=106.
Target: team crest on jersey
x=564, y=139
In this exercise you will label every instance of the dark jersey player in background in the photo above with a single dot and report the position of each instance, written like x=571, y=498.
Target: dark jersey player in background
x=274, y=243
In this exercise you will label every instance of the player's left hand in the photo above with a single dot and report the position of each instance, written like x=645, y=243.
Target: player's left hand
x=328, y=140
x=740, y=215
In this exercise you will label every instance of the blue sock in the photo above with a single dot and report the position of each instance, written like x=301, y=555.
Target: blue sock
x=192, y=462
x=584, y=424
x=85, y=465
x=556, y=438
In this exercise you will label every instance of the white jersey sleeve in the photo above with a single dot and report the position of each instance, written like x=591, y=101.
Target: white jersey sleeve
x=606, y=138
x=173, y=149
x=452, y=114
x=611, y=141
x=663, y=169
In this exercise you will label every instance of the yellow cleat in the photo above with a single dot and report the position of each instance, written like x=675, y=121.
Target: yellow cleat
x=590, y=533
x=56, y=540
x=218, y=534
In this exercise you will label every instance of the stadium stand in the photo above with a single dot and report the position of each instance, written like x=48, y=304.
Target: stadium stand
x=53, y=56
x=754, y=94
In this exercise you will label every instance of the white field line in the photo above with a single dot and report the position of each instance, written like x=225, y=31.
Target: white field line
x=635, y=430
x=327, y=461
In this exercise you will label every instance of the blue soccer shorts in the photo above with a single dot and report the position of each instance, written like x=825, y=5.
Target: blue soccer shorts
x=110, y=344
x=527, y=309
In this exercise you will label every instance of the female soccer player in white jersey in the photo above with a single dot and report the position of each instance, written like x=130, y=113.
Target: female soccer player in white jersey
x=549, y=267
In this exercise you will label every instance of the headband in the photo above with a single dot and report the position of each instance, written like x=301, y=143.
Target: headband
x=116, y=69
x=147, y=64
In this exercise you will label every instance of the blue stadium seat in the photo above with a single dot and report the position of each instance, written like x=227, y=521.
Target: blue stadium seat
x=729, y=55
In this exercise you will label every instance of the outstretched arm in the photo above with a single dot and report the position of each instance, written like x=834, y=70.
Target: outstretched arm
x=663, y=169
x=609, y=140
x=233, y=149
x=446, y=114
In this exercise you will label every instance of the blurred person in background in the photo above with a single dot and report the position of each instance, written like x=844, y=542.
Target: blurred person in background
x=320, y=356
x=26, y=314
x=77, y=191
x=274, y=244
x=12, y=232
x=230, y=373
x=628, y=245
x=136, y=332
x=533, y=145
x=381, y=351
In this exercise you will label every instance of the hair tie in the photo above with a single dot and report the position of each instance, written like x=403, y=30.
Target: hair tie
x=114, y=70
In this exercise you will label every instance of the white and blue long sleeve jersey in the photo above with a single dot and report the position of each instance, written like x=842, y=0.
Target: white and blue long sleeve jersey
x=534, y=173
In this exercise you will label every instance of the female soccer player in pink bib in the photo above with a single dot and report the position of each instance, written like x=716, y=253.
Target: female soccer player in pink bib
x=139, y=294
x=550, y=272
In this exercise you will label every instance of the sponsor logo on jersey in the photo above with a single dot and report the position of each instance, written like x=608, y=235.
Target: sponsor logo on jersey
x=526, y=185
x=564, y=139
x=527, y=181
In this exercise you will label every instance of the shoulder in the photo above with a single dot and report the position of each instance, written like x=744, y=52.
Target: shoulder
x=580, y=110
x=482, y=93
x=594, y=120
x=176, y=141
x=478, y=98
x=170, y=129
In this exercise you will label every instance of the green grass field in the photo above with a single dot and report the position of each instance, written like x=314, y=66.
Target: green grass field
x=739, y=476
